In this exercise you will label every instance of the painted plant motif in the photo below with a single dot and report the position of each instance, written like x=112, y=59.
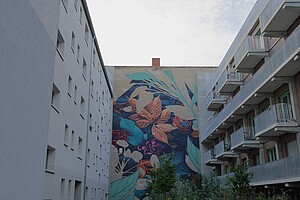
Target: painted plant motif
x=153, y=117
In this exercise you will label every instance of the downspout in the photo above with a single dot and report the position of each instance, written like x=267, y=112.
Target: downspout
x=88, y=121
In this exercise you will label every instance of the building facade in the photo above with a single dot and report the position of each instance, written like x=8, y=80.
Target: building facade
x=155, y=113
x=251, y=104
x=56, y=114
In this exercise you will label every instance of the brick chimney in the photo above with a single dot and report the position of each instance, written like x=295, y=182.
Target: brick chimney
x=156, y=62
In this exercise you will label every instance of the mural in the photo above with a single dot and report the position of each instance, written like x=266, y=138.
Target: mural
x=155, y=116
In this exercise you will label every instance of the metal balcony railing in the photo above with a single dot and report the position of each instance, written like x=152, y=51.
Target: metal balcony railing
x=280, y=113
x=280, y=171
x=220, y=148
x=264, y=74
x=252, y=44
x=229, y=77
x=209, y=155
x=237, y=138
x=214, y=98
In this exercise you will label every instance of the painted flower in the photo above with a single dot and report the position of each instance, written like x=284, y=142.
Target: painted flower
x=119, y=135
x=150, y=147
x=153, y=114
x=185, y=126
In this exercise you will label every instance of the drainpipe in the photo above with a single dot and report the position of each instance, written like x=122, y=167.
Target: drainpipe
x=88, y=120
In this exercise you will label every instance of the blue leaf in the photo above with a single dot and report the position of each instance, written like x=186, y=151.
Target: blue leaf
x=135, y=134
x=194, y=99
x=139, y=76
x=191, y=94
x=119, y=189
x=194, y=154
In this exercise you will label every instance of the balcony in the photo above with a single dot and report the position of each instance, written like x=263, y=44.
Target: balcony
x=249, y=54
x=275, y=121
x=214, y=101
x=229, y=81
x=278, y=16
x=241, y=140
x=223, y=151
x=285, y=170
x=284, y=62
x=209, y=158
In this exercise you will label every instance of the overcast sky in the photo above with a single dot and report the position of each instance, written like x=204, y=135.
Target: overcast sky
x=180, y=32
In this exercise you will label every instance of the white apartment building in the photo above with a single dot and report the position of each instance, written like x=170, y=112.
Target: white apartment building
x=54, y=145
x=250, y=109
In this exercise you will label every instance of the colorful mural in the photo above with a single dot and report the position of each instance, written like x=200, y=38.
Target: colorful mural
x=155, y=116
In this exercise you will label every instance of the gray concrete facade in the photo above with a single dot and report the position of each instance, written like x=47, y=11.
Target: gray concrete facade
x=26, y=75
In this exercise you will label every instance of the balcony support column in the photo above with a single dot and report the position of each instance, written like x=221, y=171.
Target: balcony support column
x=262, y=156
x=278, y=149
x=295, y=106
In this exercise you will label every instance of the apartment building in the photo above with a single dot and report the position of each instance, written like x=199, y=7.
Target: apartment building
x=56, y=111
x=251, y=105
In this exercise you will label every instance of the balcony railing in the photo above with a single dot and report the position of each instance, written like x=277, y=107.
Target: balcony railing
x=237, y=138
x=223, y=150
x=276, y=115
x=271, y=18
x=214, y=100
x=250, y=52
x=242, y=140
x=229, y=81
x=208, y=156
x=278, y=61
x=281, y=171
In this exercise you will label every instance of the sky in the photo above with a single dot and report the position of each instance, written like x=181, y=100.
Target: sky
x=179, y=32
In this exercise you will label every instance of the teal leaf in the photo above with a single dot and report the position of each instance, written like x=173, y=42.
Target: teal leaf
x=169, y=74
x=119, y=189
x=141, y=76
x=145, y=136
x=130, y=196
x=135, y=134
x=150, y=85
x=194, y=154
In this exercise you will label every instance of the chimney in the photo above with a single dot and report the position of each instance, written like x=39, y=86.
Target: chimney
x=156, y=62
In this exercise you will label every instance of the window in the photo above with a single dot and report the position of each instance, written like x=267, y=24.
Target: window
x=62, y=189
x=60, y=43
x=72, y=140
x=82, y=105
x=76, y=4
x=78, y=53
x=252, y=126
x=88, y=157
x=272, y=154
x=98, y=133
x=86, y=34
x=84, y=69
x=92, y=89
x=50, y=159
x=69, y=85
x=65, y=4
x=69, y=190
x=80, y=15
x=66, y=135
x=80, y=148
x=73, y=42
x=75, y=95
x=94, y=57
x=55, y=99
x=77, y=191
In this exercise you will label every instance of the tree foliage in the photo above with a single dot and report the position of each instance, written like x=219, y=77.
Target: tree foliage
x=163, y=178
